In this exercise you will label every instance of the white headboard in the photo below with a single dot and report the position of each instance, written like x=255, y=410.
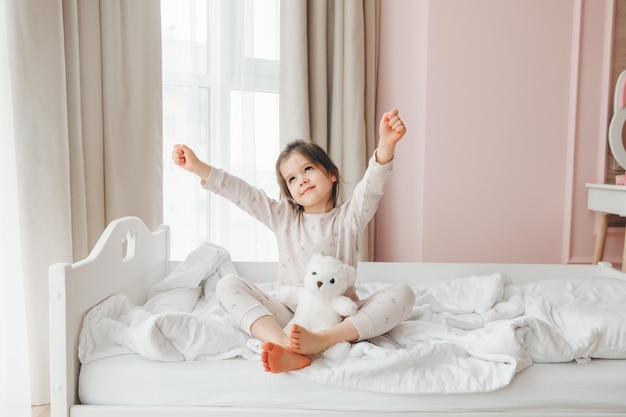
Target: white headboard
x=113, y=265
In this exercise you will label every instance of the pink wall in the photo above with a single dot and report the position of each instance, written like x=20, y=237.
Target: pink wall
x=506, y=108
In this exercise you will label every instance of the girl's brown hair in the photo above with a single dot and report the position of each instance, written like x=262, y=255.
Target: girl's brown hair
x=318, y=157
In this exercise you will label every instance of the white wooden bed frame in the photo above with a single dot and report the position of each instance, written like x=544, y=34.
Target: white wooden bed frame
x=129, y=258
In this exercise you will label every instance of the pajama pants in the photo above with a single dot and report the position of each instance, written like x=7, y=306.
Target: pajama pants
x=376, y=314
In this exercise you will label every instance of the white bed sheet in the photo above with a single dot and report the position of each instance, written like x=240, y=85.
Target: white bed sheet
x=133, y=380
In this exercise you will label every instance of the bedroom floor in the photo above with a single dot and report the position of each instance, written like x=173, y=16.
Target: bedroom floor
x=40, y=411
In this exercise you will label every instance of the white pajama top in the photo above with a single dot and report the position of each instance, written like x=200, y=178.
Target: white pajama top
x=300, y=235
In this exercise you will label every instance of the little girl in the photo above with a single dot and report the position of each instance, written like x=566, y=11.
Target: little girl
x=306, y=220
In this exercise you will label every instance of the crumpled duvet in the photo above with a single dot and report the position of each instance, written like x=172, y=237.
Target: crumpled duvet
x=465, y=335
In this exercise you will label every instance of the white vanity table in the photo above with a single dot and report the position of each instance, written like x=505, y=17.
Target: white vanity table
x=606, y=199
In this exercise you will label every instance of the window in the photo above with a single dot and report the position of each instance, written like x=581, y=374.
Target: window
x=220, y=97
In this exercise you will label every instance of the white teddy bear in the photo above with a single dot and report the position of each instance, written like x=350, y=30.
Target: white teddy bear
x=321, y=303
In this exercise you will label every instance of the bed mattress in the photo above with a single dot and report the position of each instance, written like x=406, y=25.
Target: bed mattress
x=134, y=380
x=571, y=312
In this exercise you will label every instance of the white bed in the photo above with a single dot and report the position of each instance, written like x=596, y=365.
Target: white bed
x=129, y=260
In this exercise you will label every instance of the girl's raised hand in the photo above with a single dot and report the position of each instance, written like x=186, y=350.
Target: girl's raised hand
x=391, y=128
x=184, y=157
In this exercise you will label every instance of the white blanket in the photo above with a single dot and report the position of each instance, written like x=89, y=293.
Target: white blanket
x=465, y=335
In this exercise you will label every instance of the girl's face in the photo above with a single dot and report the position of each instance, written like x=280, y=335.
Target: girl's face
x=309, y=185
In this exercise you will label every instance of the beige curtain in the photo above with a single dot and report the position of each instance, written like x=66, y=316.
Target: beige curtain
x=86, y=101
x=328, y=66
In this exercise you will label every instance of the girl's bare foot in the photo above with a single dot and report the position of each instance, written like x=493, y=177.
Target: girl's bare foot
x=278, y=359
x=306, y=342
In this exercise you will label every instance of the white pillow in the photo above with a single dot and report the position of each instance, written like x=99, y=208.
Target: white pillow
x=578, y=304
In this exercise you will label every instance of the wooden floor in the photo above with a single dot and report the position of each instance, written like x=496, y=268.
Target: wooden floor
x=40, y=411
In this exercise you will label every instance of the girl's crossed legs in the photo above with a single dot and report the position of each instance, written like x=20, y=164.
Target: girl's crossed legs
x=264, y=317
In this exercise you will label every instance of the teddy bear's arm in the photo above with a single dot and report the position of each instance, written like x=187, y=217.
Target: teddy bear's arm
x=288, y=294
x=344, y=306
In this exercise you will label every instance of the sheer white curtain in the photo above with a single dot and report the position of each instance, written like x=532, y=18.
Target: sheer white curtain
x=36, y=225
x=14, y=375
x=81, y=145
x=220, y=97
